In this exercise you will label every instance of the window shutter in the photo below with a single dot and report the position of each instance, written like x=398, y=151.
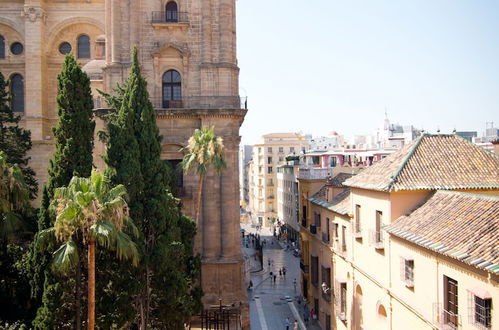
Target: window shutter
x=402, y=269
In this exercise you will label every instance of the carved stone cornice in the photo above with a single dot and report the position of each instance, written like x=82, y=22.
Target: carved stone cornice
x=32, y=13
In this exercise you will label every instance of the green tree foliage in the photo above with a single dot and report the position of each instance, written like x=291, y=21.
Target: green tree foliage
x=168, y=268
x=15, y=141
x=74, y=136
x=90, y=209
x=15, y=232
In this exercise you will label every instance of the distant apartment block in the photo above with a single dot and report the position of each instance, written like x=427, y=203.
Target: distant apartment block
x=269, y=152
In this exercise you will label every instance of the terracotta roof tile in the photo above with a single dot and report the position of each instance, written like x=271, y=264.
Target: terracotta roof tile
x=339, y=204
x=432, y=162
x=460, y=225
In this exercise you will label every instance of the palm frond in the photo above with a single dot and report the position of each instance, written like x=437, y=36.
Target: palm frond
x=44, y=237
x=104, y=233
x=126, y=248
x=10, y=224
x=66, y=257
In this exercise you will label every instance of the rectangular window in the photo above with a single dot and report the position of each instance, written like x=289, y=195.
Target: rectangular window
x=335, y=231
x=340, y=299
x=317, y=219
x=358, y=226
x=281, y=149
x=281, y=159
x=291, y=149
x=269, y=160
x=259, y=150
x=314, y=271
x=450, y=302
x=343, y=239
x=269, y=150
x=269, y=170
x=407, y=271
x=481, y=308
x=260, y=169
x=379, y=220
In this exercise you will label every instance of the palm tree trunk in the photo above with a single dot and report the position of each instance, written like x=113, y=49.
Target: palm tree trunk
x=78, y=294
x=91, y=284
x=200, y=195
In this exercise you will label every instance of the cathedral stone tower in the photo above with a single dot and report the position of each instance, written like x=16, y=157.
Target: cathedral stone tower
x=187, y=50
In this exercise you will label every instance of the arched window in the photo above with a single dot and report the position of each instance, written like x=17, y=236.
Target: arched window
x=2, y=47
x=172, y=90
x=83, y=46
x=171, y=12
x=17, y=90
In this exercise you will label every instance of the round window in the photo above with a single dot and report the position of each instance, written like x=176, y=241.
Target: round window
x=16, y=48
x=65, y=48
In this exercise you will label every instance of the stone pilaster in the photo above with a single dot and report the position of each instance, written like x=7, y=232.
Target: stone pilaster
x=35, y=66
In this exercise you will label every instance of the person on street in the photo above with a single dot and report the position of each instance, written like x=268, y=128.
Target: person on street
x=287, y=323
x=295, y=325
x=294, y=283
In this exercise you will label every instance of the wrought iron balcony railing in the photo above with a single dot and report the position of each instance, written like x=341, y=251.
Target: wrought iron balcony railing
x=201, y=102
x=169, y=17
x=376, y=239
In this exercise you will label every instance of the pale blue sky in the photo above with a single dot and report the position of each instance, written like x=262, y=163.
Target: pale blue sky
x=322, y=65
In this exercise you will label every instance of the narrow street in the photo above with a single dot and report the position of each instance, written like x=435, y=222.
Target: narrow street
x=271, y=303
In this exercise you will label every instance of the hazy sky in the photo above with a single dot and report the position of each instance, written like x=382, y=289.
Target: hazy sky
x=322, y=65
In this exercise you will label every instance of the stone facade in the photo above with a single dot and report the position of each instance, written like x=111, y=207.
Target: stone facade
x=194, y=39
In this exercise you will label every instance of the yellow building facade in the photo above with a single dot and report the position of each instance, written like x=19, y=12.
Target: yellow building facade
x=270, y=151
x=399, y=258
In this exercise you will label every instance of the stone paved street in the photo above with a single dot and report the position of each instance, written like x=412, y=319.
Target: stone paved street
x=271, y=303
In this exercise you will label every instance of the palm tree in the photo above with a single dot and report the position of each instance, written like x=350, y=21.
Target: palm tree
x=14, y=198
x=204, y=149
x=90, y=210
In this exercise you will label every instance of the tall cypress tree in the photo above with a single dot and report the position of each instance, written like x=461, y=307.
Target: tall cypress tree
x=74, y=141
x=168, y=268
x=15, y=141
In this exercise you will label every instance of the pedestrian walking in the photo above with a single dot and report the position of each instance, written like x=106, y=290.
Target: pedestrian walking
x=295, y=325
x=275, y=277
x=294, y=283
x=305, y=317
x=287, y=323
x=269, y=262
x=284, y=271
x=280, y=272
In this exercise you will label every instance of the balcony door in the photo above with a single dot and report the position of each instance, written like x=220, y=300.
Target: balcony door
x=171, y=12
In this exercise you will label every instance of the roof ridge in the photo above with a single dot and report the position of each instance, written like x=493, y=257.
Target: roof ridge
x=476, y=145
x=468, y=193
x=404, y=162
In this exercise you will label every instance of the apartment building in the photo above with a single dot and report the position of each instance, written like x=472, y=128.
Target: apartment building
x=287, y=198
x=408, y=243
x=270, y=151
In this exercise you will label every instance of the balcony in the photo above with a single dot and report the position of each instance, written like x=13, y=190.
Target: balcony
x=376, y=239
x=313, y=229
x=445, y=319
x=201, y=102
x=310, y=173
x=304, y=222
x=169, y=17
x=303, y=267
x=325, y=237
